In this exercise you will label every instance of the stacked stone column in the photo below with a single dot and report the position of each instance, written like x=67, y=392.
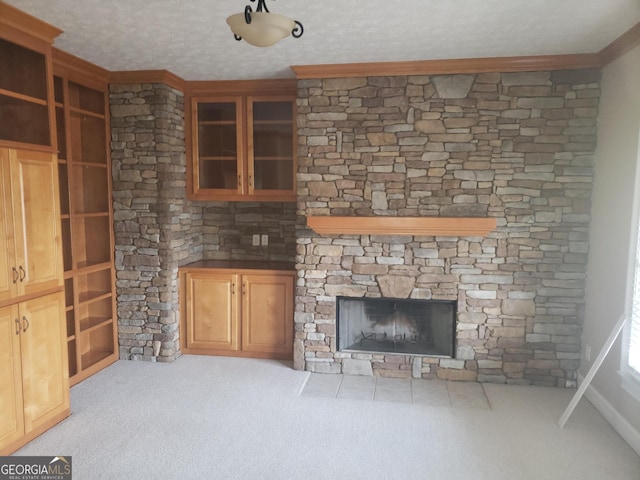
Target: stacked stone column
x=153, y=222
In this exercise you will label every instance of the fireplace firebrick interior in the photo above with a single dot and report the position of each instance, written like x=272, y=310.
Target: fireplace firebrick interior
x=390, y=325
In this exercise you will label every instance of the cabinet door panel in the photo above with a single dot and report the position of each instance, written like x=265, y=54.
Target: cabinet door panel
x=37, y=223
x=45, y=368
x=11, y=419
x=212, y=311
x=267, y=313
x=218, y=146
x=8, y=274
x=271, y=145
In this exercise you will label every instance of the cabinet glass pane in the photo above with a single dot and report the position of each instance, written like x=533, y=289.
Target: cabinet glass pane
x=273, y=147
x=273, y=140
x=86, y=98
x=217, y=141
x=218, y=174
x=91, y=243
x=24, y=70
x=88, y=142
x=217, y=112
x=89, y=189
x=24, y=121
x=273, y=175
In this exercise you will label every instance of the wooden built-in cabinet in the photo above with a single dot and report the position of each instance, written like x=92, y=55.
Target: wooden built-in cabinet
x=237, y=312
x=244, y=146
x=87, y=219
x=33, y=355
x=33, y=368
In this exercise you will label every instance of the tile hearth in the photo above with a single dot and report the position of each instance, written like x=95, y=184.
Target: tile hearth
x=435, y=393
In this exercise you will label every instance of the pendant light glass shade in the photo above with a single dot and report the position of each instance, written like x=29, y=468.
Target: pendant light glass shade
x=264, y=30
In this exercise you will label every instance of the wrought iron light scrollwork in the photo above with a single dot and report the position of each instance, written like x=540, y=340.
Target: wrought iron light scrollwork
x=261, y=27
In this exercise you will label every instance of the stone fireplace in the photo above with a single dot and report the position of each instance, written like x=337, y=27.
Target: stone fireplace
x=514, y=147
x=395, y=325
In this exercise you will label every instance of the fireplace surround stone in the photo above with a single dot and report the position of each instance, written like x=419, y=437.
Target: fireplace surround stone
x=517, y=147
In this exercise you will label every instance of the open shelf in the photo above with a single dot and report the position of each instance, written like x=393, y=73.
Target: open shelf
x=96, y=345
x=85, y=191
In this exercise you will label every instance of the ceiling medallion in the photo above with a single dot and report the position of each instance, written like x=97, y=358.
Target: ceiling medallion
x=263, y=28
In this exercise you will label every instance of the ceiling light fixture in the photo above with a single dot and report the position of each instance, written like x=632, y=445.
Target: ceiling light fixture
x=263, y=28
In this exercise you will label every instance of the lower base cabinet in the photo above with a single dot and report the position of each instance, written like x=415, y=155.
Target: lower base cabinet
x=34, y=394
x=237, y=312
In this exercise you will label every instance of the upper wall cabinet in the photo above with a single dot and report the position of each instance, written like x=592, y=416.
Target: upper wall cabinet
x=26, y=89
x=243, y=147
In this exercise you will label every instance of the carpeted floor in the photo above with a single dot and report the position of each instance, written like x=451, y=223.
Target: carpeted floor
x=225, y=418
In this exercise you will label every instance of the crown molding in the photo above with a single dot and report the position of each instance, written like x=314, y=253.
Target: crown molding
x=148, y=76
x=278, y=86
x=452, y=66
x=621, y=45
x=18, y=20
x=77, y=69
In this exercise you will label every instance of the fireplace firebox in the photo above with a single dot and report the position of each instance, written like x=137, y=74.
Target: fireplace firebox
x=390, y=325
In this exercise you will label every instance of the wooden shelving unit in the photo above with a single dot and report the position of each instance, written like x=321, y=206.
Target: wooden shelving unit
x=87, y=234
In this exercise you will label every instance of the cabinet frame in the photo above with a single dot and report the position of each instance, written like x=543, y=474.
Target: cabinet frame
x=243, y=93
x=240, y=283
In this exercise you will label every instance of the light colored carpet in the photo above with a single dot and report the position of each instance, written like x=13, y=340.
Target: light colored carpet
x=224, y=418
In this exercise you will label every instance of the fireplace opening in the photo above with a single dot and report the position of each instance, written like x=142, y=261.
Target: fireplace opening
x=390, y=325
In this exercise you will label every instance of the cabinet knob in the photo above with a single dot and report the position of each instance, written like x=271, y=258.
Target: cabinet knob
x=251, y=181
x=17, y=326
x=239, y=181
x=25, y=324
x=16, y=275
x=233, y=288
x=23, y=273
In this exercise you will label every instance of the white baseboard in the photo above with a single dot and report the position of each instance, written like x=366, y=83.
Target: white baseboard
x=617, y=421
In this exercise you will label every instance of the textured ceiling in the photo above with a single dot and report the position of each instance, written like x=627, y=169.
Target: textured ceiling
x=191, y=39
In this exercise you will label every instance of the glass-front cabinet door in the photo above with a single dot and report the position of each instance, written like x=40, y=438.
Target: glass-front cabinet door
x=218, y=146
x=243, y=148
x=271, y=145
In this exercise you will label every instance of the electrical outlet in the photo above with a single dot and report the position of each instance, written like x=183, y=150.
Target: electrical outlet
x=587, y=353
x=265, y=240
x=256, y=240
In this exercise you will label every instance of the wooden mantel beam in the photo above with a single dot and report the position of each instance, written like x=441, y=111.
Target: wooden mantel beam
x=413, y=226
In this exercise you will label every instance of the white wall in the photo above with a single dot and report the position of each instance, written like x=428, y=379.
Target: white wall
x=616, y=157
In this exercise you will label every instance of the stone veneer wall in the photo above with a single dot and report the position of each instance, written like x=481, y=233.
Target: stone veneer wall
x=229, y=227
x=514, y=146
x=156, y=229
